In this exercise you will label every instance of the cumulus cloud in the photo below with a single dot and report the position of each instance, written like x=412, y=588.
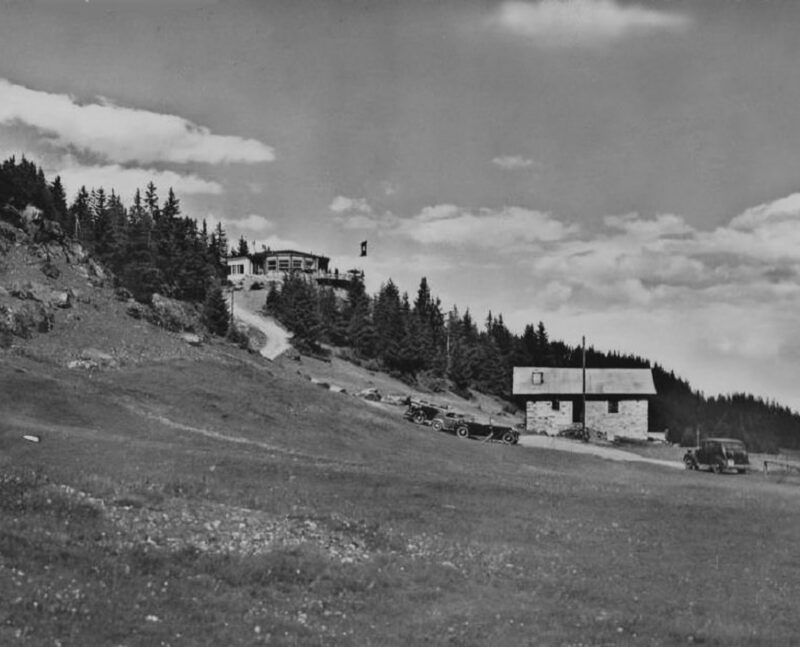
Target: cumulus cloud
x=258, y=231
x=254, y=223
x=125, y=181
x=512, y=162
x=357, y=213
x=448, y=224
x=583, y=23
x=769, y=213
x=122, y=135
x=661, y=226
x=342, y=204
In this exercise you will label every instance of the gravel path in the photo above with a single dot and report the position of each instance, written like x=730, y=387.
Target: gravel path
x=277, y=336
x=566, y=445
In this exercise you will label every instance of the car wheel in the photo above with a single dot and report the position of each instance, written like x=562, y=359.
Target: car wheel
x=437, y=425
x=688, y=463
x=462, y=432
x=508, y=438
x=419, y=417
x=717, y=467
x=741, y=470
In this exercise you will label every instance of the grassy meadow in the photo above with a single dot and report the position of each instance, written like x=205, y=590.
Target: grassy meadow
x=228, y=501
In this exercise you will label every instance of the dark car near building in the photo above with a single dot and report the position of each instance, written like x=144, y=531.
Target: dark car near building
x=482, y=431
x=718, y=455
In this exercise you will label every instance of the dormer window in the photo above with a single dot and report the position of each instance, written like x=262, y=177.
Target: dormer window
x=537, y=377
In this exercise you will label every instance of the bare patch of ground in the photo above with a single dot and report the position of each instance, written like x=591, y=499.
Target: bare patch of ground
x=602, y=451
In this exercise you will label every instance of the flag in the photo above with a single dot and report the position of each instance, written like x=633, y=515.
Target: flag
x=363, y=247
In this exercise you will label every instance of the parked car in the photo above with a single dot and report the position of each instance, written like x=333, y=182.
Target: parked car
x=449, y=421
x=471, y=429
x=718, y=455
x=422, y=412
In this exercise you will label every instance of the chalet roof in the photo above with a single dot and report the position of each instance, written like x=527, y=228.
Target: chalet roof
x=289, y=252
x=569, y=381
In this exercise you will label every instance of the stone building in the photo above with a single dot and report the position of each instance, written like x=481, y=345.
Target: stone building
x=616, y=399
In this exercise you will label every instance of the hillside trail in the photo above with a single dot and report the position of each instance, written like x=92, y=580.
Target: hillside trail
x=247, y=304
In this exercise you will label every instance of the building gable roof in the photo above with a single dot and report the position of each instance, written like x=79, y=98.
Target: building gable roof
x=569, y=381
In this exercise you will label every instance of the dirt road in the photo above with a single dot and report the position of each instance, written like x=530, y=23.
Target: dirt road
x=246, y=311
x=566, y=445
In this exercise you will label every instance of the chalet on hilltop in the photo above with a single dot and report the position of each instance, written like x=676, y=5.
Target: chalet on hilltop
x=616, y=399
x=273, y=265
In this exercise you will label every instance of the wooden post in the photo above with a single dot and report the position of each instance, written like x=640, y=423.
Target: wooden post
x=583, y=387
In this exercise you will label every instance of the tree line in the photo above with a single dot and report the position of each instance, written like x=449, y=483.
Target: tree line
x=150, y=246
x=417, y=341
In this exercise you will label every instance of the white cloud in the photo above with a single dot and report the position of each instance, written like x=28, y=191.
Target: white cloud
x=769, y=213
x=662, y=225
x=254, y=223
x=256, y=229
x=342, y=204
x=124, y=135
x=512, y=162
x=357, y=213
x=509, y=227
x=125, y=181
x=583, y=23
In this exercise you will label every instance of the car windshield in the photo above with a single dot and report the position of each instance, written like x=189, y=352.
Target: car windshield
x=733, y=447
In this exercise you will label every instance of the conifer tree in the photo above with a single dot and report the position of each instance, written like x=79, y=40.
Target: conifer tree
x=59, y=197
x=80, y=215
x=151, y=202
x=215, y=311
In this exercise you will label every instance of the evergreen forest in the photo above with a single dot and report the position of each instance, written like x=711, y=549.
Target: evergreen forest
x=151, y=246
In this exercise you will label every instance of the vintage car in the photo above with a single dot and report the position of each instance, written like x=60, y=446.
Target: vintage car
x=718, y=455
x=449, y=421
x=471, y=429
x=422, y=412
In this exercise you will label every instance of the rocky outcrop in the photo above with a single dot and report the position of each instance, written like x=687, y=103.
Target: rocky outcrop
x=91, y=358
x=192, y=339
x=11, y=234
x=31, y=221
x=23, y=319
x=173, y=315
x=33, y=291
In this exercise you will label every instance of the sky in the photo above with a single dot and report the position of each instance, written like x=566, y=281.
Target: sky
x=624, y=171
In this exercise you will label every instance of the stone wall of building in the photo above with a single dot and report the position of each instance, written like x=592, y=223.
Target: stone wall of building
x=630, y=420
x=542, y=418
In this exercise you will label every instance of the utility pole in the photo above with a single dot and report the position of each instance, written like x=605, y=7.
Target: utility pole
x=232, y=293
x=447, y=369
x=583, y=388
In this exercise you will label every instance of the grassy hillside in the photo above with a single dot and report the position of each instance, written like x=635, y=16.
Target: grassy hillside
x=225, y=500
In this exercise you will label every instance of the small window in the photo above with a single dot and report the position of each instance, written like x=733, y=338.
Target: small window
x=537, y=377
x=613, y=406
x=556, y=405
